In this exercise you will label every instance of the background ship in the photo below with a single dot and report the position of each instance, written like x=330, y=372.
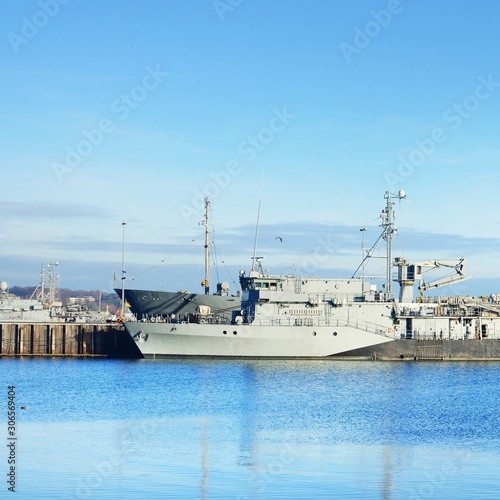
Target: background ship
x=156, y=305
x=44, y=306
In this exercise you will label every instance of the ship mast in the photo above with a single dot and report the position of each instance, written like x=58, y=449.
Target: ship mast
x=52, y=282
x=40, y=287
x=42, y=284
x=206, y=223
x=256, y=261
x=388, y=232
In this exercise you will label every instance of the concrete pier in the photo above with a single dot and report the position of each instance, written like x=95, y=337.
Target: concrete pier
x=66, y=339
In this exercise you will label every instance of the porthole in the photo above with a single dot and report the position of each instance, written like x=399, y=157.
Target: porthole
x=334, y=334
x=314, y=334
x=224, y=332
x=235, y=332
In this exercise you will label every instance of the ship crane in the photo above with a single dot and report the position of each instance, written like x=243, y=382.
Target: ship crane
x=458, y=266
x=409, y=273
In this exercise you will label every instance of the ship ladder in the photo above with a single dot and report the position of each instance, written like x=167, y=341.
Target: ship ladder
x=429, y=349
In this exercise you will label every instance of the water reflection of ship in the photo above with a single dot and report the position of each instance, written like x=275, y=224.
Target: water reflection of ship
x=150, y=304
x=245, y=413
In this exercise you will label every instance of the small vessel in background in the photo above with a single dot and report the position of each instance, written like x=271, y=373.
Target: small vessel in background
x=157, y=305
x=17, y=309
x=43, y=306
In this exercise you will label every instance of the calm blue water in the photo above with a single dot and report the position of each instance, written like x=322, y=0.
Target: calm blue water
x=109, y=429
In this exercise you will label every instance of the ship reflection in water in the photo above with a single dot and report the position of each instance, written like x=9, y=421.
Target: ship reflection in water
x=255, y=429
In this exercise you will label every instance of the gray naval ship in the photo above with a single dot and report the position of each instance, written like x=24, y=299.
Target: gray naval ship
x=43, y=306
x=154, y=305
x=295, y=317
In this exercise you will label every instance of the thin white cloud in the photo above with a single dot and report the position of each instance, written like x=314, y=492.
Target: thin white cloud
x=37, y=210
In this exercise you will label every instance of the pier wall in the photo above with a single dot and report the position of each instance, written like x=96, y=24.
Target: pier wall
x=66, y=339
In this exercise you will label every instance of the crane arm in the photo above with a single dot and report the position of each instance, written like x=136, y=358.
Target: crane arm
x=457, y=265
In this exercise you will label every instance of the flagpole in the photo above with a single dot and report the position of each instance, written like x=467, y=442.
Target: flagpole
x=122, y=310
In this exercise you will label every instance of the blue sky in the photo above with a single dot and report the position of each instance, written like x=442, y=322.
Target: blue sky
x=135, y=111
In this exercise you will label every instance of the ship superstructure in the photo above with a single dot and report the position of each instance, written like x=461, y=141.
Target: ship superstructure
x=157, y=304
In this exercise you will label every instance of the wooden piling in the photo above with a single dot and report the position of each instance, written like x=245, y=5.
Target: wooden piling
x=66, y=339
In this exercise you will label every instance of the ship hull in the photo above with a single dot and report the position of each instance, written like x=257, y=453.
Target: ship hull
x=146, y=304
x=428, y=349
x=156, y=340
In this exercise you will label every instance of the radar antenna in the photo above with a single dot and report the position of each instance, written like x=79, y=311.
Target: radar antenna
x=389, y=231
